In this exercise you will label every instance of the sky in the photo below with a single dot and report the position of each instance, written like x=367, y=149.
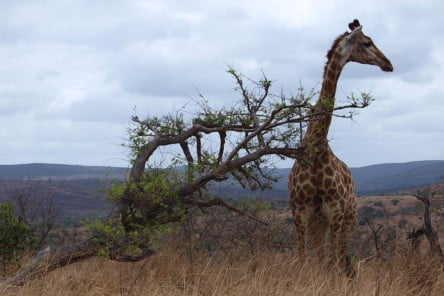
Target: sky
x=73, y=72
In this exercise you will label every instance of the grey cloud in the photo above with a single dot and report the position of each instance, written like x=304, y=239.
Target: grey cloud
x=162, y=79
x=72, y=69
x=17, y=102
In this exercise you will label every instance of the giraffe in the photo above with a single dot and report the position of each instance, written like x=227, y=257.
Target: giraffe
x=322, y=193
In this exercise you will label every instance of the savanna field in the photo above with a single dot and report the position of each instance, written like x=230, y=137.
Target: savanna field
x=212, y=148
x=226, y=254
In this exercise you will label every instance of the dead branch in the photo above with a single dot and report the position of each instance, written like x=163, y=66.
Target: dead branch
x=375, y=232
x=35, y=204
x=219, y=202
x=50, y=259
x=32, y=269
x=431, y=234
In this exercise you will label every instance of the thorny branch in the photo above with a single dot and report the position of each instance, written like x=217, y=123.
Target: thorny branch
x=259, y=125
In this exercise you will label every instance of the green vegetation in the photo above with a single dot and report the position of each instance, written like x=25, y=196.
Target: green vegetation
x=15, y=235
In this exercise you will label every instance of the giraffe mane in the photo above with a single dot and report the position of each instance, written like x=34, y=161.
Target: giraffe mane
x=333, y=49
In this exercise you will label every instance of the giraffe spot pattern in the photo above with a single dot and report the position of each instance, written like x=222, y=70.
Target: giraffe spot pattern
x=329, y=171
x=325, y=189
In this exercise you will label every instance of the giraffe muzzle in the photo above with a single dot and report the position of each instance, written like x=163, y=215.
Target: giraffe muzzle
x=387, y=65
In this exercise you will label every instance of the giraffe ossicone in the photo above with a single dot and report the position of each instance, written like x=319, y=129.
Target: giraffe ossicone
x=322, y=190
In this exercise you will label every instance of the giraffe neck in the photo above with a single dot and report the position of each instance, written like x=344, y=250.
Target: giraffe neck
x=317, y=131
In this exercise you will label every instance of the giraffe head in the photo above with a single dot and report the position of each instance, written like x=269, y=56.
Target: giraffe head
x=357, y=47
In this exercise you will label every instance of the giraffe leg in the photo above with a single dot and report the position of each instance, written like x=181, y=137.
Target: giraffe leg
x=302, y=240
x=342, y=250
x=318, y=229
x=301, y=228
x=347, y=230
x=335, y=237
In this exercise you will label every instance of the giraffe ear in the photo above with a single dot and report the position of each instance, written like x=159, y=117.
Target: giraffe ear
x=353, y=34
x=353, y=25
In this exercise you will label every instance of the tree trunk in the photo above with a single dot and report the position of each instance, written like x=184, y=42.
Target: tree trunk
x=49, y=259
x=431, y=234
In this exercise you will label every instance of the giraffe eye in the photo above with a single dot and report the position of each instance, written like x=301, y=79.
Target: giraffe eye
x=367, y=44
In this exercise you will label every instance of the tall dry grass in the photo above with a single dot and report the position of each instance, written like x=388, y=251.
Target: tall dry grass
x=233, y=255
x=175, y=272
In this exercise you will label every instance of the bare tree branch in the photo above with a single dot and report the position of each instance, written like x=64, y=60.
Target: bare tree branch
x=222, y=136
x=221, y=203
x=431, y=234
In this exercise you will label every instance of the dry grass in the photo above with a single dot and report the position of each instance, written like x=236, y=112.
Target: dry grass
x=173, y=272
x=185, y=268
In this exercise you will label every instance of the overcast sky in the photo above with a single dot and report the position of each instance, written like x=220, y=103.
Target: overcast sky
x=72, y=71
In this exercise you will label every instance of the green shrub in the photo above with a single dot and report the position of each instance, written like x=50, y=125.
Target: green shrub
x=15, y=235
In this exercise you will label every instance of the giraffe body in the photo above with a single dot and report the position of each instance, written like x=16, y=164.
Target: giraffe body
x=322, y=193
x=322, y=200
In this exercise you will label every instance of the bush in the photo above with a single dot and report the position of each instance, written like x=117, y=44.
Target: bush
x=370, y=212
x=362, y=222
x=395, y=202
x=378, y=204
x=15, y=235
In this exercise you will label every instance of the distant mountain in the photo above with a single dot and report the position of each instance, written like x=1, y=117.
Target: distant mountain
x=370, y=180
x=59, y=171
x=80, y=190
x=391, y=177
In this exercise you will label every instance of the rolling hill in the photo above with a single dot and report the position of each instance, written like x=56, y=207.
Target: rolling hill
x=59, y=171
x=391, y=177
x=79, y=189
x=370, y=180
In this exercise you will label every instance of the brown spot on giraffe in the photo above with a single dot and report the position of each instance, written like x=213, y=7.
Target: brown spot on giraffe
x=322, y=194
x=329, y=171
x=304, y=177
x=327, y=183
